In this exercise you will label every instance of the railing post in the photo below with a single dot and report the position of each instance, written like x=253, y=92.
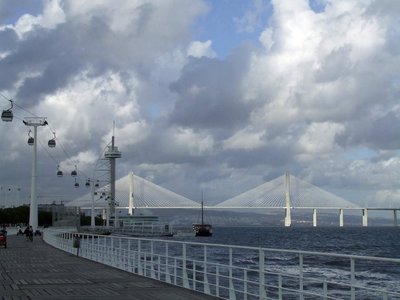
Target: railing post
x=184, y=272
x=217, y=279
x=120, y=258
x=194, y=275
x=92, y=253
x=280, y=287
x=325, y=287
x=167, y=275
x=105, y=255
x=111, y=252
x=175, y=270
x=261, y=276
x=206, y=286
x=245, y=285
x=129, y=254
x=139, y=255
x=301, y=283
x=352, y=278
x=152, y=273
x=232, y=294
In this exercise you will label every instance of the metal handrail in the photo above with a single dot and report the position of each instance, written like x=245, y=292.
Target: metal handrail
x=191, y=265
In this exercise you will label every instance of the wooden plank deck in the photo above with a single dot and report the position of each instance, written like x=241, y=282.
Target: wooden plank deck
x=35, y=270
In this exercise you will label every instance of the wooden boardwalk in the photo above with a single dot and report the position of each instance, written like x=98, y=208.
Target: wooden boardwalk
x=35, y=270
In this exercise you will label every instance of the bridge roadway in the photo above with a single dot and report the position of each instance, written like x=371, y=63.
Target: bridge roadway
x=35, y=270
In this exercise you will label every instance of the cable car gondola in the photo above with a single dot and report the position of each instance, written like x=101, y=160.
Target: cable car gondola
x=74, y=173
x=59, y=172
x=52, y=142
x=7, y=115
x=31, y=140
x=76, y=184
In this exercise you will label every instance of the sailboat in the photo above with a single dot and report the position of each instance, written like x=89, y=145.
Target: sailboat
x=202, y=229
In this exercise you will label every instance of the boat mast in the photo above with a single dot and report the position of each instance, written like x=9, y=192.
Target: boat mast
x=202, y=222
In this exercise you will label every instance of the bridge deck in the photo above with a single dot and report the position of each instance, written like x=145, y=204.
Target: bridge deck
x=35, y=270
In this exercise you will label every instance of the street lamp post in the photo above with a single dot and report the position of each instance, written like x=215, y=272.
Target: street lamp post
x=34, y=122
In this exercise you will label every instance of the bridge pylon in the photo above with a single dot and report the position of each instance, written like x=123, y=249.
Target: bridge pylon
x=131, y=203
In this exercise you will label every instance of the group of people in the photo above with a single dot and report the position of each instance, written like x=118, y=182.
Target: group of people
x=28, y=232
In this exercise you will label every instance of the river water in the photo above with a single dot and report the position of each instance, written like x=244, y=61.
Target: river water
x=363, y=241
x=369, y=241
x=360, y=241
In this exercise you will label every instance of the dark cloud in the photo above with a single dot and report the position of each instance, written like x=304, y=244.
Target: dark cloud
x=209, y=94
x=8, y=40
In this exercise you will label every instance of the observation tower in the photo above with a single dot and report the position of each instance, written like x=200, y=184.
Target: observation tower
x=111, y=154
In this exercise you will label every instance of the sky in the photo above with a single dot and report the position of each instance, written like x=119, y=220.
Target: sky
x=214, y=96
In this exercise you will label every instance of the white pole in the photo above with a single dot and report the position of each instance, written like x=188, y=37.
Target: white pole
x=33, y=211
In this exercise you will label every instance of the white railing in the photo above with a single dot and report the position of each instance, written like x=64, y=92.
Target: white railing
x=238, y=272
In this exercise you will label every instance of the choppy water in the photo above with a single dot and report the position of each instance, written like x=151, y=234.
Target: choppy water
x=360, y=241
x=369, y=241
x=363, y=241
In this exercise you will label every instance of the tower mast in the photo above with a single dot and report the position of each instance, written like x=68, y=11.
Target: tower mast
x=111, y=154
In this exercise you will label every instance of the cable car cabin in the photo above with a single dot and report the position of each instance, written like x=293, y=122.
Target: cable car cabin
x=7, y=115
x=52, y=143
x=31, y=141
x=60, y=173
x=74, y=173
x=76, y=184
x=87, y=184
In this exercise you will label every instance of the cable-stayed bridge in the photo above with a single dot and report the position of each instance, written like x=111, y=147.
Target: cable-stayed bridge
x=285, y=192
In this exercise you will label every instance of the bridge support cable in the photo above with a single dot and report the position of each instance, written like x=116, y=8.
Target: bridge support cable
x=149, y=195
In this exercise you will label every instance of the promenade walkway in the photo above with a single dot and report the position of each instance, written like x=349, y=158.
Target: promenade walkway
x=35, y=270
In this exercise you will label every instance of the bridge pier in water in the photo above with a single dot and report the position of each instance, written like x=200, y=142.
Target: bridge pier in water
x=341, y=217
x=288, y=216
x=364, y=217
x=314, y=217
x=395, y=217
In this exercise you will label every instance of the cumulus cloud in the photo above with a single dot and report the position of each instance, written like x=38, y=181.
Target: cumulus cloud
x=320, y=83
x=199, y=49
